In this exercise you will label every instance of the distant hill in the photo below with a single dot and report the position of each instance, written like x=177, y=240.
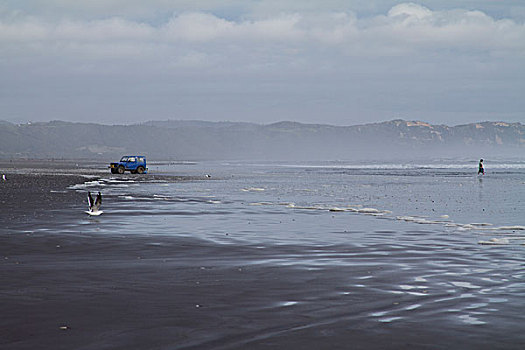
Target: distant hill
x=279, y=141
x=173, y=124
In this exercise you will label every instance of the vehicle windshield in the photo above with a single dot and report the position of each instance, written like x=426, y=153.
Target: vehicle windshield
x=124, y=159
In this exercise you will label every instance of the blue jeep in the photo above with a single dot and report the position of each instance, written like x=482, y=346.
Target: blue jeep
x=133, y=164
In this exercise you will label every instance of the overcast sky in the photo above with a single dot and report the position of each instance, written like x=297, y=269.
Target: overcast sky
x=340, y=62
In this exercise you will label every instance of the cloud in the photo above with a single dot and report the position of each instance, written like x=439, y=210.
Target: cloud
x=410, y=11
x=295, y=57
x=157, y=11
x=418, y=27
x=199, y=27
x=405, y=28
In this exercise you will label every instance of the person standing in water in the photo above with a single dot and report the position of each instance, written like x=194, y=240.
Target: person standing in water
x=481, y=170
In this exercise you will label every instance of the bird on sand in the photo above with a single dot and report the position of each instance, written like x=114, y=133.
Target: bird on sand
x=3, y=177
x=94, y=206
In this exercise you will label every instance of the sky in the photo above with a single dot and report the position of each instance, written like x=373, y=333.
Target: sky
x=340, y=62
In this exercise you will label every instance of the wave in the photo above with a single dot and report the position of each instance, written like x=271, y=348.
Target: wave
x=511, y=228
x=444, y=220
x=405, y=166
x=495, y=241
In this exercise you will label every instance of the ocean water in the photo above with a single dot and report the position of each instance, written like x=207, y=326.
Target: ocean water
x=317, y=203
x=341, y=244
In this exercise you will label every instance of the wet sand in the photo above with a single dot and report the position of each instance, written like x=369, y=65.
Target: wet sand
x=78, y=291
x=38, y=190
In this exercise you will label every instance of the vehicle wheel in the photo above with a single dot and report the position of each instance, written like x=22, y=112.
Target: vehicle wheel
x=140, y=170
x=120, y=169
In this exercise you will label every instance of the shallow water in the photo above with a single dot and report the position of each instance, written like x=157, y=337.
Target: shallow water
x=318, y=203
x=348, y=244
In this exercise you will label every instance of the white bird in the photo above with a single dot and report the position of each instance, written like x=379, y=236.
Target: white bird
x=3, y=177
x=94, y=206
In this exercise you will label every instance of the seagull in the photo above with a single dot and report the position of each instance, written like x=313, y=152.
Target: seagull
x=94, y=206
x=3, y=177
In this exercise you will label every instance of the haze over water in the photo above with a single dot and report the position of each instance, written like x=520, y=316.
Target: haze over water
x=335, y=247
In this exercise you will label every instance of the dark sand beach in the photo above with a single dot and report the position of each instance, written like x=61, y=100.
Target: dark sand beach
x=78, y=291
x=90, y=292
